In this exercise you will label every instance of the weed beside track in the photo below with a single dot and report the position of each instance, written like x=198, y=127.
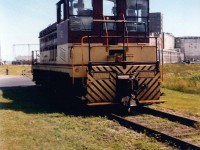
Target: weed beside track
x=182, y=77
x=31, y=119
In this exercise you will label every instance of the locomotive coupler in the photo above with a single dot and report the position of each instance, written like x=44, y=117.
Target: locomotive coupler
x=127, y=87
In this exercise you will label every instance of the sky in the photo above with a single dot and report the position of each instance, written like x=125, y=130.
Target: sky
x=22, y=20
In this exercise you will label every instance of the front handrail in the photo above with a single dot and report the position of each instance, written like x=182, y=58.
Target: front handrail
x=106, y=33
x=134, y=37
x=126, y=31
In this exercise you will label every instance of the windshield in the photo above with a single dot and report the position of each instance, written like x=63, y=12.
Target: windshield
x=80, y=12
x=137, y=11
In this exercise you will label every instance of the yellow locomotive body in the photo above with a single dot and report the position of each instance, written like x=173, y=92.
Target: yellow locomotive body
x=108, y=62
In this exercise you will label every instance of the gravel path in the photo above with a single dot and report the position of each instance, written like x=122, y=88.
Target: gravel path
x=15, y=81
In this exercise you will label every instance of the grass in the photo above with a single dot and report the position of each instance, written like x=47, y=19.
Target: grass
x=182, y=77
x=31, y=119
x=182, y=89
x=183, y=103
x=14, y=69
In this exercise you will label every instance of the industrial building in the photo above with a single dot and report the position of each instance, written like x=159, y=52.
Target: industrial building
x=166, y=46
x=190, y=46
x=171, y=55
x=22, y=60
x=170, y=52
x=169, y=41
x=156, y=23
x=165, y=41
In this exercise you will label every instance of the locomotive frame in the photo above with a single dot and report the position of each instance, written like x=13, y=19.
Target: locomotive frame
x=100, y=53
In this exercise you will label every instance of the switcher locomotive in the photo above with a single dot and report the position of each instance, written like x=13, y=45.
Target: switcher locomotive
x=99, y=51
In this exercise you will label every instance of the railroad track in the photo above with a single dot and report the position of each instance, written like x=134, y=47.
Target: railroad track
x=172, y=117
x=174, y=130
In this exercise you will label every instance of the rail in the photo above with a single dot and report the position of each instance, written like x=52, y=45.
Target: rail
x=172, y=117
x=160, y=136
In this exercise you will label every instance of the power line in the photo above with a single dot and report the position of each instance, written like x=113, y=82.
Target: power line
x=28, y=45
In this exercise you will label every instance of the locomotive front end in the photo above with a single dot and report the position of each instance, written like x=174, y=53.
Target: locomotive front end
x=101, y=52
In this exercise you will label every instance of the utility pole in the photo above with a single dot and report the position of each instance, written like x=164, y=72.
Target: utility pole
x=163, y=40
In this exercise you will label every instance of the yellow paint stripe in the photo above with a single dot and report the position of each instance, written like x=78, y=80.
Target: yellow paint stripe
x=108, y=89
x=140, y=94
x=100, y=90
x=112, y=84
x=89, y=98
x=156, y=94
x=150, y=85
x=108, y=68
x=151, y=92
x=95, y=69
x=90, y=88
x=154, y=89
x=93, y=94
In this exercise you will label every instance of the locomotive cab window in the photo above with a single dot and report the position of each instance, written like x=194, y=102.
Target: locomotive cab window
x=61, y=11
x=109, y=13
x=80, y=15
x=137, y=11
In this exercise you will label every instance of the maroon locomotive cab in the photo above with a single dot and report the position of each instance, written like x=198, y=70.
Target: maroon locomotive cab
x=100, y=51
x=106, y=17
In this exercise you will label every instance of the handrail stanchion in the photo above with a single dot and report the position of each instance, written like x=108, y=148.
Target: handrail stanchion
x=106, y=33
x=126, y=31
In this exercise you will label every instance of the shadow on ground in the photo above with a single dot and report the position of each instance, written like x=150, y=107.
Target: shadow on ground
x=35, y=99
